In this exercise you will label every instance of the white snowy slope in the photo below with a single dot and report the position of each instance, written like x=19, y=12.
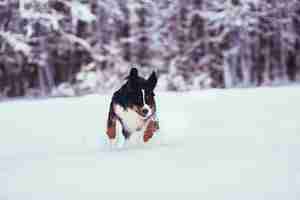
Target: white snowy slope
x=232, y=145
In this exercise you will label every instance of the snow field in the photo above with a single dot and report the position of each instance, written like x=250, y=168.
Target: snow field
x=216, y=144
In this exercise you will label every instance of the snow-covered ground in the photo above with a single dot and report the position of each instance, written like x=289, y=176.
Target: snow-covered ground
x=233, y=145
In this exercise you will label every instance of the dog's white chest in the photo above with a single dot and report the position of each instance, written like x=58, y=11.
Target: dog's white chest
x=131, y=120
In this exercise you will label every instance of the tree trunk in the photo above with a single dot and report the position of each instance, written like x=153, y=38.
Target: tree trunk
x=246, y=65
x=267, y=71
x=42, y=81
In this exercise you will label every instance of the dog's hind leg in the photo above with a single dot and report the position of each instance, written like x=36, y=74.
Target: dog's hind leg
x=111, y=124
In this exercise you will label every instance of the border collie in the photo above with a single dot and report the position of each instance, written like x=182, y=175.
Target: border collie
x=133, y=105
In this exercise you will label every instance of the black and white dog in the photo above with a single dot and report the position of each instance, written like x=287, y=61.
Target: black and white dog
x=133, y=105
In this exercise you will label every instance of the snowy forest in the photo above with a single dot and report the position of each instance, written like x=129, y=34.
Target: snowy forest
x=76, y=47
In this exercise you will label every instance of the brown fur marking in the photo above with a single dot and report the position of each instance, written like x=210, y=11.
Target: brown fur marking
x=151, y=128
x=111, y=123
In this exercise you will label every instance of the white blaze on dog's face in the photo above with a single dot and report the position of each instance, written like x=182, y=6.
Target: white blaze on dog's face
x=146, y=109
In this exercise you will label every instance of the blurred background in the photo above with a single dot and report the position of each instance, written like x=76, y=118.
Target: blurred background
x=77, y=47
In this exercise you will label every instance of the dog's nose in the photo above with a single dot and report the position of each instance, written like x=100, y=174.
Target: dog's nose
x=145, y=111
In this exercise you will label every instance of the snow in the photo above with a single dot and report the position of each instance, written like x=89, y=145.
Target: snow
x=215, y=144
x=82, y=12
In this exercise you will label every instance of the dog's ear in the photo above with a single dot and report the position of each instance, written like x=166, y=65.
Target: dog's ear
x=152, y=81
x=133, y=73
x=133, y=78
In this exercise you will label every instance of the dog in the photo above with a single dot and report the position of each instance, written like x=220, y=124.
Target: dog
x=133, y=105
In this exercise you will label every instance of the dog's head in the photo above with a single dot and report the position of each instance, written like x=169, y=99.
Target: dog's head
x=140, y=93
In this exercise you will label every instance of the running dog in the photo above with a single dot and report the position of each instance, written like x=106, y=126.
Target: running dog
x=133, y=105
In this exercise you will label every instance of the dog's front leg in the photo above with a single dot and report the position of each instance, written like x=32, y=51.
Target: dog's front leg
x=111, y=125
x=150, y=129
x=126, y=135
